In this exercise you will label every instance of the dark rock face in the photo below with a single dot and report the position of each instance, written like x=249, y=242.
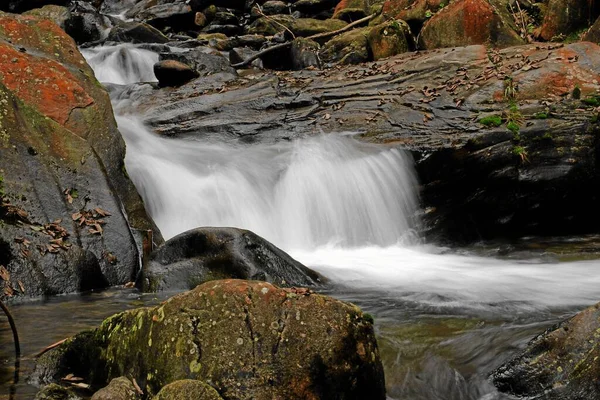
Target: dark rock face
x=203, y=254
x=560, y=364
x=563, y=17
x=136, y=32
x=62, y=183
x=85, y=23
x=173, y=73
x=248, y=340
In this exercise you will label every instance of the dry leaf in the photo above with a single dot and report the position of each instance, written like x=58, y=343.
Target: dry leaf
x=21, y=286
x=4, y=274
x=9, y=291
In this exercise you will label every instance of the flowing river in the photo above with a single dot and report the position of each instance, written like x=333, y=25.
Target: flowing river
x=444, y=318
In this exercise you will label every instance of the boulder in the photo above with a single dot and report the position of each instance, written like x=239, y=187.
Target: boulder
x=200, y=20
x=85, y=23
x=173, y=73
x=559, y=364
x=19, y=6
x=56, y=14
x=388, y=39
x=178, y=16
x=420, y=11
x=246, y=339
x=199, y=5
x=563, y=17
x=467, y=22
x=351, y=47
x=351, y=10
x=188, y=389
x=273, y=7
x=203, y=254
x=136, y=32
x=305, y=53
x=119, y=388
x=313, y=7
x=67, y=204
x=240, y=54
x=593, y=34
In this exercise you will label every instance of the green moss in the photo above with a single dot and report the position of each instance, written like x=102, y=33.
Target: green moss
x=513, y=127
x=369, y=318
x=518, y=150
x=593, y=101
x=541, y=115
x=491, y=121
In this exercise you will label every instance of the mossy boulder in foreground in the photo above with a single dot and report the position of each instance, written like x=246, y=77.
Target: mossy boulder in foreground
x=560, y=364
x=246, y=339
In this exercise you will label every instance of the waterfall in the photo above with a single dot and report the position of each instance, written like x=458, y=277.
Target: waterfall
x=342, y=207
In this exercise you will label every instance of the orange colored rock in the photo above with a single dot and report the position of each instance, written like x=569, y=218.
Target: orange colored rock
x=351, y=10
x=421, y=10
x=467, y=22
x=392, y=8
x=563, y=17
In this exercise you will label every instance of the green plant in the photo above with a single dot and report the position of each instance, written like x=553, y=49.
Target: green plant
x=514, y=128
x=491, y=121
x=369, y=318
x=593, y=101
x=541, y=115
x=520, y=152
x=510, y=89
x=428, y=14
x=576, y=93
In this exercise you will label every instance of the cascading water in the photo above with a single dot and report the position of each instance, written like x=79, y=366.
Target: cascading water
x=347, y=210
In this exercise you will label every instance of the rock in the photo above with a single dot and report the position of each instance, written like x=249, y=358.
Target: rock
x=305, y=53
x=559, y=364
x=253, y=41
x=200, y=20
x=54, y=391
x=351, y=10
x=19, y=6
x=85, y=23
x=313, y=7
x=420, y=11
x=240, y=54
x=136, y=32
x=467, y=22
x=188, y=389
x=227, y=30
x=173, y=73
x=593, y=34
x=563, y=17
x=298, y=26
x=202, y=62
x=348, y=48
x=118, y=389
x=388, y=39
x=273, y=7
x=61, y=164
x=202, y=254
x=199, y=5
x=175, y=15
x=248, y=339
x=56, y=14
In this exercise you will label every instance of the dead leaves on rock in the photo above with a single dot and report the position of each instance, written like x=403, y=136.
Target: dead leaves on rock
x=91, y=218
x=9, y=290
x=12, y=212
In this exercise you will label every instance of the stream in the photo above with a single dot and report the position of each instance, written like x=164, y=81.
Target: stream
x=444, y=317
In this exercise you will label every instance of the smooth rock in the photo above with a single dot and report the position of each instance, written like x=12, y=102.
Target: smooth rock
x=305, y=53
x=173, y=73
x=136, y=32
x=118, y=389
x=203, y=254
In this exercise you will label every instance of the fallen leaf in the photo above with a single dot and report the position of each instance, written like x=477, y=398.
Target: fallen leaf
x=21, y=286
x=4, y=274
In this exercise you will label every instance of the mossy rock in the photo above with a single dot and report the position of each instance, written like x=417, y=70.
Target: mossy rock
x=188, y=389
x=351, y=10
x=388, y=39
x=57, y=14
x=348, y=48
x=118, y=389
x=56, y=392
x=247, y=339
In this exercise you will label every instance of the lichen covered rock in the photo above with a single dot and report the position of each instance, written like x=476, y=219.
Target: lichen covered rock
x=119, y=388
x=245, y=339
x=388, y=39
x=348, y=48
x=188, y=389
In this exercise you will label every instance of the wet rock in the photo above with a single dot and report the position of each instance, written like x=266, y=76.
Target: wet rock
x=305, y=53
x=351, y=10
x=54, y=391
x=313, y=7
x=173, y=73
x=61, y=158
x=348, y=48
x=19, y=6
x=199, y=5
x=563, y=17
x=240, y=54
x=85, y=23
x=275, y=7
x=136, y=32
x=248, y=339
x=201, y=61
x=188, y=389
x=298, y=26
x=203, y=254
x=559, y=364
x=118, y=389
x=388, y=39
x=175, y=15
x=200, y=20
x=467, y=22
x=253, y=41
x=228, y=30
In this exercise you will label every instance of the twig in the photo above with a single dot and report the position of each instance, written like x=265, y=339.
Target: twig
x=53, y=345
x=13, y=327
x=260, y=12
x=313, y=37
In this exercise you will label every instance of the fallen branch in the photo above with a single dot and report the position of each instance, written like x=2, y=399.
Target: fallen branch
x=323, y=35
x=53, y=345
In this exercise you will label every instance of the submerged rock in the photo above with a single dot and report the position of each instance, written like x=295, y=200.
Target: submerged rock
x=203, y=254
x=560, y=364
x=245, y=339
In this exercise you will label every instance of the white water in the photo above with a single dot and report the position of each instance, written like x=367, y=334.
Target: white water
x=341, y=207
